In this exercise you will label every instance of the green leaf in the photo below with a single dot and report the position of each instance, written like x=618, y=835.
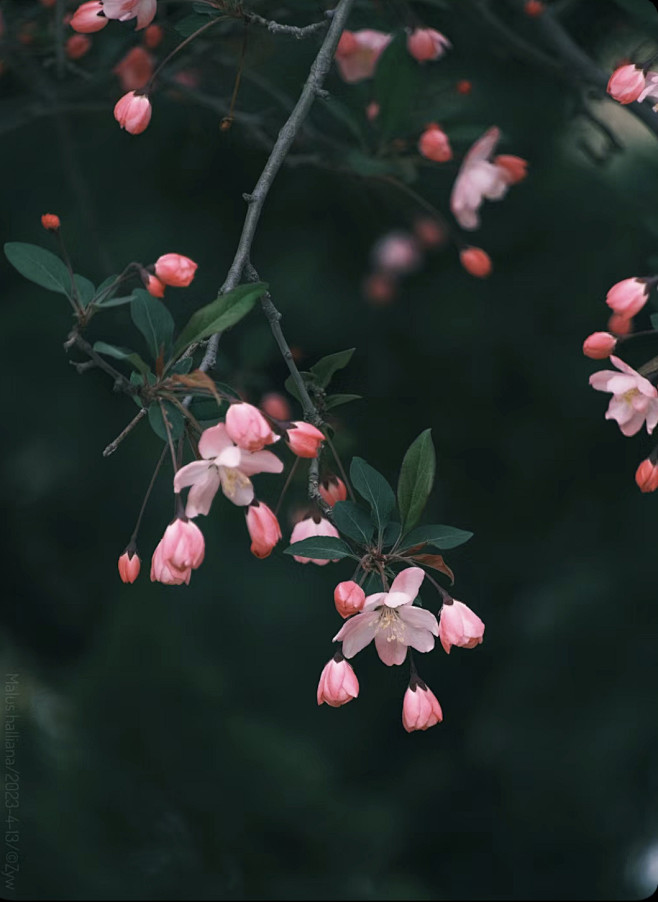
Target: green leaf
x=39, y=266
x=325, y=368
x=86, y=289
x=336, y=400
x=153, y=320
x=442, y=537
x=205, y=409
x=353, y=521
x=372, y=486
x=175, y=419
x=222, y=313
x=416, y=479
x=324, y=548
x=132, y=357
x=182, y=367
x=391, y=534
x=396, y=87
x=115, y=302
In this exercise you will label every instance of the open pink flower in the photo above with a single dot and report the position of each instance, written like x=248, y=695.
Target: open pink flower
x=358, y=51
x=478, y=178
x=634, y=399
x=224, y=464
x=338, y=683
x=650, y=91
x=308, y=528
x=460, y=626
x=124, y=10
x=420, y=709
x=392, y=621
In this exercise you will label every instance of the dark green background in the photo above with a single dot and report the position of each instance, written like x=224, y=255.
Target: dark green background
x=171, y=746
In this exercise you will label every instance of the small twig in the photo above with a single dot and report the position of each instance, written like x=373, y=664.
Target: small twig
x=299, y=32
x=111, y=448
x=133, y=537
x=314, y=489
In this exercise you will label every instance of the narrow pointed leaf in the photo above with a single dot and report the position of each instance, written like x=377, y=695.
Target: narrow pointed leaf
x=325, y=368
x=416, y=479
x=39, y=266
x=132, y=357
x=372, y=486
x=153, y=320
x=336, y=400
x=443, y=537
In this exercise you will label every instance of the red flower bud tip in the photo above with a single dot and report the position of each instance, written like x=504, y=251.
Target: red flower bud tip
x=129, y=566
x=154, y=286
x=135, y=69
x=515, y=168
x=133, y=112
x=380, y=288
x=420, y=708
x=620, y=325
x=303, y=439
x=626, y=84
x=333, y=489
x=534, y=8
x=89, y=17
x=434, y=144
x=50, y=221
x=276, y=406
x=264, y=529
x=646, y=476
x=427, y=44
x=153, y=36
x=599, y=345
x=429, y=232
x=77, y=45
x=349, y=598
x=175, y=270
x=464, y=86
x=476, y=262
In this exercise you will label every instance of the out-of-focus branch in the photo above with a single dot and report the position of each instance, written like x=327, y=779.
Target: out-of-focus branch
x=293, y=30
x=282, y=145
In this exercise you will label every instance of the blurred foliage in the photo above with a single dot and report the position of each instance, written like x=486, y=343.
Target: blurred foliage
x=171, y=747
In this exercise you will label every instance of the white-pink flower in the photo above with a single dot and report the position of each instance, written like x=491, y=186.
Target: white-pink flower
x=478, y=179
x=634, y=399
x=124, y=10
x=650, y=91
x=224, y=464
x=358, y=52
x=392, y=621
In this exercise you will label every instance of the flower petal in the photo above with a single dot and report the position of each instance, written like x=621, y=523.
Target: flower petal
x=357, y=632
x=260, y=462
x=406, y=583
x=213, y=441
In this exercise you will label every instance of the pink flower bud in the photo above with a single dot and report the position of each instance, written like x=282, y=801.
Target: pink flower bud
x=248, y=428
x=514, y=169
x=626, y=84
x=153, y=36
x=429, y=232
x=427, y=44
x=175, y=270
x=599, y=345
x=464, y=86
x=338, y=683
x=50, y=221
x=89, y=18
x=628, y=297
x=77, y=45
x=420, y=708
x=434, y=144
x=333, y=489
x=620, y=325
x=396, y=253
x=264, y=529
x=307, y=528
x=646, y=476
x=459, y=625
x=303, y=439
x=135, y=69
x=129, y=566
x=349, y=598
x=154, y=286
x=133, y=112
x=372, y=111
x=476, y=262
x=357, y=53
x=534, y=8
x=380, y=288
x=276, y=406
x=180, y=550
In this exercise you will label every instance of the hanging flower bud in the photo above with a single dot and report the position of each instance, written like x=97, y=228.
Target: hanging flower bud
x=338, y=683
x=626, y=84
x=434, y=144
x=153, y=36
x=77, y=46
x=620, y=325
x=308, y=528
x=153, y=285
x=180, y=550
x=427, y=44
x=476, y=262
x=459, y=625
x=276, y=406
x=349, y=598
x=429, y=232
x=135, y=69
x=628, y=297
x=357, y=53
x=89, y=18
x=129, y=565
x=464, y=86
x=380, y=288
x=303, y=439
x=50, y=221
x=333, y=489
x=534, y=8
x=133, y=112
x=264, y=529
x=420, y=709
x=175, y=270
x=248, y=428
x=599, y=345
x=646, y=476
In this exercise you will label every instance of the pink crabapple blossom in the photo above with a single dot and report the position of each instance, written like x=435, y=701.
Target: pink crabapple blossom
x=129, y=566
x=175, y=270
x=420, y=708
x=626, y=84
x=634, y=399
x=89, y=17
x=460, y=626
x=476, y=262
x=77, y=45
x=125, y=10
x=396, y=253
x=154, y=286
x=134, y=70
x=358, y=52
x=599, y=345
x=426, y=44
x=275, y=406
x=434, y=144
x=306, y=529
x=303, y=439
x=628, y=297
x=153, y=36
x=646, y=476
x=248, y=428
x=338, y=683
x=349, y=598
x=264, y=529
x=50, y=221
x=133, y=112
x=392, y=621
x=224, y=464
x=650, y=91
x=333, y=489
x=180, y=550
x=619, y=324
